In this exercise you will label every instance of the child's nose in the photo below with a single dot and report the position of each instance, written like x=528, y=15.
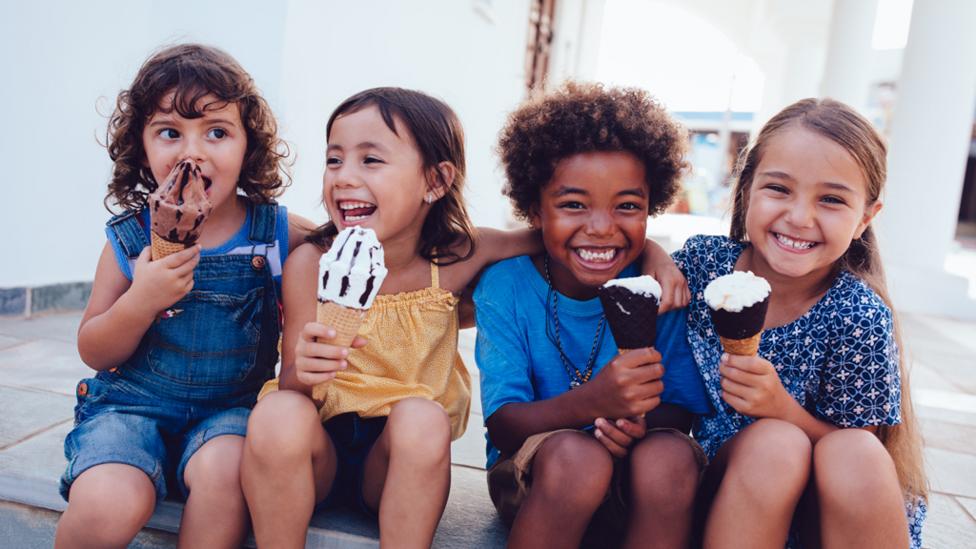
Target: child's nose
x=193, y=150
x=599, y=224
x=801, y=214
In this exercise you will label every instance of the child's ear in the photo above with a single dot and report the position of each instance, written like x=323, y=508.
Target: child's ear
x=870, y=211
x=440, y=179
x=535, y=220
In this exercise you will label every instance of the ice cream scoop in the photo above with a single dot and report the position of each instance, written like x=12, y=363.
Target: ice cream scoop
x=352, y=271
x=178, y=209
x=630, y=305
x=738, y=303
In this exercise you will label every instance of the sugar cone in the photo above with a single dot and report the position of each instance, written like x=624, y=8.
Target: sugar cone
x=162, y=247
x=744, y=347
x=345, y=321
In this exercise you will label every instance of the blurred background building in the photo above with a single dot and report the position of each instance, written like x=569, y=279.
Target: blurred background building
x=722, y=67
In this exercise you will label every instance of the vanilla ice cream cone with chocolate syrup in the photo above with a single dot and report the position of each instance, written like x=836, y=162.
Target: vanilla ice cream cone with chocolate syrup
x=738, y=303
x=630, y=305
x=350, y=276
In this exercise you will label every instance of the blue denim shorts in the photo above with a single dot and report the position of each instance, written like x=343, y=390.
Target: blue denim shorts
x=118, y=422
x=353, y=438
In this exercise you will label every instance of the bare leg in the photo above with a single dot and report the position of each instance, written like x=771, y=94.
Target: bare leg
x=852, y=467
x=215, y=514
x=758, y=478
x=571, y=474
x=289, y=464
x=407, y=474
x=663, y=482
x=107, y=507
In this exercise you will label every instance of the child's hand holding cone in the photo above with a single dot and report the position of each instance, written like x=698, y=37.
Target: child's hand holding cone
x=752, y=387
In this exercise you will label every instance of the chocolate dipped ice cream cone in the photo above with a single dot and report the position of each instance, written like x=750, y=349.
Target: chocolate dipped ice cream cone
x=738, y=303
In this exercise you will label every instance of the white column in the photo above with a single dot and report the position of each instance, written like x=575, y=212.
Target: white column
x=929, y=143
x=847, y=71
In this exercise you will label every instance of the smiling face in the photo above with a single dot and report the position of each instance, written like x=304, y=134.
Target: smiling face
x=216, y=142
x=374, y=177
x=807, y=202
x=593, y=216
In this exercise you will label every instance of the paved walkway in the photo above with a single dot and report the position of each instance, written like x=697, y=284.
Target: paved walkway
x=39, y=367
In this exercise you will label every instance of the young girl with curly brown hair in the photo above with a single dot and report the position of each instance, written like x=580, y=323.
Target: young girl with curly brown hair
x=181, y=344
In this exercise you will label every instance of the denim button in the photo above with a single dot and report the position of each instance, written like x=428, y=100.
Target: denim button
x=258, y=262
x=82, y=389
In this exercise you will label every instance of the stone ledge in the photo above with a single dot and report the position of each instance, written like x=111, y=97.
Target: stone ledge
x=28, y=301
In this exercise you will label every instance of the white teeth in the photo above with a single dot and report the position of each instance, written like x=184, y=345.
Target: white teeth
x=354, y=205
x=795, y=244
x=596, y=256
x=350, y=218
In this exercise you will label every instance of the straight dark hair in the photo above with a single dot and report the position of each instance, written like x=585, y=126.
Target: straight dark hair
x=439, y=137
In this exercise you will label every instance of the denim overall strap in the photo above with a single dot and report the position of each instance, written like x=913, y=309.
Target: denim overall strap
x=263, y=223
x=129, y=232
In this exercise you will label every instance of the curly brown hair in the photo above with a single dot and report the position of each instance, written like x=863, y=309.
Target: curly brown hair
x=190, y=72
x=579, y=118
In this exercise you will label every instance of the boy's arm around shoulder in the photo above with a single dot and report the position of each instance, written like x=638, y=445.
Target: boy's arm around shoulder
x=674, y=287
x=119, y=311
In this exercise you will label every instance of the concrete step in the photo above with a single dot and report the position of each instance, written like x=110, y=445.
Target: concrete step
x=30, y=508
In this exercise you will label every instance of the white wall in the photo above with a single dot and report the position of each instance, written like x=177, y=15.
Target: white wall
x=60, y=59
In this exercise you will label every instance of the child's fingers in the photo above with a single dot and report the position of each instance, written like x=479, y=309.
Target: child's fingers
x=360, y=341
x=180, y=258
x=632, y=429
x=740, y=390
x=314, y=331
x=144, y=256
x=186, y=268
x=736, y=402
x=313, y=379
x=615, y=449
x=325, y=350
x=611, y=431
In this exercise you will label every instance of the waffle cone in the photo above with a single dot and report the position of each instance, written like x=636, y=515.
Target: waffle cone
x=162, y=247
x=744, y=347
x=345, y=321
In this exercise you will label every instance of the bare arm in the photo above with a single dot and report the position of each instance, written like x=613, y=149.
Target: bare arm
x=306, y=357
x=630, y=385
x=491, y=246
x=674, y=288
x=298, y=229
x=119, y=312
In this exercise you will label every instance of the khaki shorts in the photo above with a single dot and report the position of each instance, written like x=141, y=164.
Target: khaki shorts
x=509, y=481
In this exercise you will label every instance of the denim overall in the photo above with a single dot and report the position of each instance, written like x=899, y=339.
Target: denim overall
x=197, y=371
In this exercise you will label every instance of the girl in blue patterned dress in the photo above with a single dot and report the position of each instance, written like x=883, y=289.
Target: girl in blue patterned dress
x=814, y=440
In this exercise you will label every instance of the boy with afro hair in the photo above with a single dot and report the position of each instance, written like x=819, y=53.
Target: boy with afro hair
x=571, y=457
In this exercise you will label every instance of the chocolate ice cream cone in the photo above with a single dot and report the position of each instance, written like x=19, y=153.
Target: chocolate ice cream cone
x=630, y=305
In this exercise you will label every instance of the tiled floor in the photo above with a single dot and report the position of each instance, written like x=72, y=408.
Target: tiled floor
x=39, y=367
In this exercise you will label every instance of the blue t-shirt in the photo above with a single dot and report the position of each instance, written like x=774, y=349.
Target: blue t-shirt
x=239, y=243
x=518, y=363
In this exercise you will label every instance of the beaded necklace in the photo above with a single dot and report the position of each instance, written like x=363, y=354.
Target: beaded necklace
x=576, y=377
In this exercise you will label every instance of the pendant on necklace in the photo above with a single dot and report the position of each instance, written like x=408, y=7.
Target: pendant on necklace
x=574, y=384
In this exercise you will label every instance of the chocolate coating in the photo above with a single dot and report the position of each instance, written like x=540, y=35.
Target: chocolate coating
x=742, y=324
x=180, y=205
x=632, y=317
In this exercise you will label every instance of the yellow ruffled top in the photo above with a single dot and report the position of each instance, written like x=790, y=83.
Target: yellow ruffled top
x=412, y=352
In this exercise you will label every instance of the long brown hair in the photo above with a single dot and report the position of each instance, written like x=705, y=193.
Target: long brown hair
x=437, y=133
x=190, y=72
x=844, y=126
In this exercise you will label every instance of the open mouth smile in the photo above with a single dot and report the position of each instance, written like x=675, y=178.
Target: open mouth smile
x=353, y=211
x=597, y=258
x=794, y=244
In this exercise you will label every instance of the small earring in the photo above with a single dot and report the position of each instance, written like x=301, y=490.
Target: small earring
x=429, y=198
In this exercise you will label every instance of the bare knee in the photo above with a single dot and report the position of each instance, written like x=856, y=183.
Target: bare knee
x=664, y=471
x=851, y=465
x=769, y=457
x=279, y=425
x=419, y=428
x=572, y=468
x=216, y=467
x=111, y=502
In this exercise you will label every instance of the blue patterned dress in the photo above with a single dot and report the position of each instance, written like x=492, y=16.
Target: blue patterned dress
x=838, y=360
